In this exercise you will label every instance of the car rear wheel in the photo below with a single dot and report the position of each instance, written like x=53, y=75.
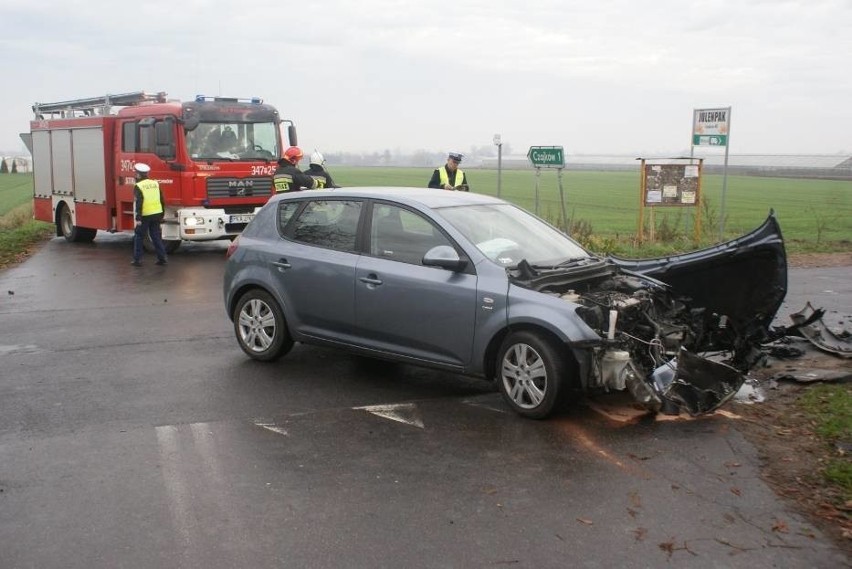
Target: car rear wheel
x=260, y=327
x=531, y=374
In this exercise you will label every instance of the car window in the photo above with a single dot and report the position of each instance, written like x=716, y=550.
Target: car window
x=402, y=235
x=285, y=214
x=506, y=234
x=328, y=223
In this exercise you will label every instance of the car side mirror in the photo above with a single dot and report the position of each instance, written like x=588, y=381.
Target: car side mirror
x=445, y=257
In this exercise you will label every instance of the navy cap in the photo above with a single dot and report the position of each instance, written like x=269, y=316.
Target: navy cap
x=457, y=156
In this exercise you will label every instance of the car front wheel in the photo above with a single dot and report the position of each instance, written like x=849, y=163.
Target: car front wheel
x=260, y=327
x=531, y=374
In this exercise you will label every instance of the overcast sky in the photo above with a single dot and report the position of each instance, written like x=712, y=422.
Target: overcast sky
x=597, y=76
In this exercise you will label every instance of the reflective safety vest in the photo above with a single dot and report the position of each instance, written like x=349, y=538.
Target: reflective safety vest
x=445, y=176
x=282, y=182
x=150, y=197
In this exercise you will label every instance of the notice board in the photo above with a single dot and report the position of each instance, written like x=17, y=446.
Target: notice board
x=671, y=185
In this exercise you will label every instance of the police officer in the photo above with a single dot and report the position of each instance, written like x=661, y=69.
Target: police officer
x=450, y=176
x=317, y=172
x=288, y=177
x=149, y=215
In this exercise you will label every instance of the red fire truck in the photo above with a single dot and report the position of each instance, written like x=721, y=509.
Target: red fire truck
x=214, y=158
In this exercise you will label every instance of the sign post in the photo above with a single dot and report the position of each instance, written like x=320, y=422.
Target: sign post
x=548, y=157
x=498, y=142
x=712, y=127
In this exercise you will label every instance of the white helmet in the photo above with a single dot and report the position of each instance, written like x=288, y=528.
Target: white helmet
x=317, y=158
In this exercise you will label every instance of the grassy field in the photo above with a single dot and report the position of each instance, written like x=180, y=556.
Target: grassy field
x=602, y=207
x=814, y=214
x=18, y=231
x=15, y=190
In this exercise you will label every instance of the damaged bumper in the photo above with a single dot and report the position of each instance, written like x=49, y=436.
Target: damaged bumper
x=695, y=384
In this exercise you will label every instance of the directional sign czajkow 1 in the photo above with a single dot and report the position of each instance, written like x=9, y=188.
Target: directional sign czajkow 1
x=546, y=156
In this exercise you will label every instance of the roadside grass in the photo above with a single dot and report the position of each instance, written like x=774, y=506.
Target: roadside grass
x=829, y=407
x=19, y=232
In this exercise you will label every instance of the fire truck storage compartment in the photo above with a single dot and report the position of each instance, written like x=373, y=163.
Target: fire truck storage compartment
x=70, y=163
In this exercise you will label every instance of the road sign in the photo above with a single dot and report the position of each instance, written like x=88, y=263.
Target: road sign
x=546, y=156
x=710, y=127
x=705, y=140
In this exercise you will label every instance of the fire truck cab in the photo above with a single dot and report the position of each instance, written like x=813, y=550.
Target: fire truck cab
x=213, y=157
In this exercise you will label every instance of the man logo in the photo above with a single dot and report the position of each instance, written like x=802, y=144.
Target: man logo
x=242, y=187
x=240, y=183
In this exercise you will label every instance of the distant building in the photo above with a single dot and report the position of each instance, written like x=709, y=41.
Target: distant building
x=23, y=164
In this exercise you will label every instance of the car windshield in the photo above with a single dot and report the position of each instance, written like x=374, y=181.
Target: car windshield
x=507, y=234
x=233, y=141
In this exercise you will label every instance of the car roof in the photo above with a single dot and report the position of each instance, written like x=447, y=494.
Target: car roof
x=428, y=197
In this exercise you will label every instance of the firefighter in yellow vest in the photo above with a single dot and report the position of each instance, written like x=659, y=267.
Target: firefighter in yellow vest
x=149, y=215
x=450, y=176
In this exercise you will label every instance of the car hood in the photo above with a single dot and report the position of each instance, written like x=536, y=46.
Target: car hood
x=744, y=279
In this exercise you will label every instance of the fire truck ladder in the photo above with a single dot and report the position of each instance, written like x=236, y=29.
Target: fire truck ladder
x=95, y=105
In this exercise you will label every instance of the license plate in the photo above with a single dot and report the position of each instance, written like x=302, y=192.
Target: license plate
x=245, y=218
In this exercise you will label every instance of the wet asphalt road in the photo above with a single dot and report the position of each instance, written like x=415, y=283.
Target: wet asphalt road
x=134, y=433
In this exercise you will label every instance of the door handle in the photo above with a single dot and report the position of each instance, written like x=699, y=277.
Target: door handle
x=281, y=264
x=371, y=279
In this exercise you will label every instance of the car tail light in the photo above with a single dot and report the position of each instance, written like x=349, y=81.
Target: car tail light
x=232, y=248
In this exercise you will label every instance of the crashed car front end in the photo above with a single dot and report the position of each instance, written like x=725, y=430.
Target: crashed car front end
x=678, y=332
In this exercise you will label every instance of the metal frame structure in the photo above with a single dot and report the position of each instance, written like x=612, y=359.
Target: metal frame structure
x=94, y=106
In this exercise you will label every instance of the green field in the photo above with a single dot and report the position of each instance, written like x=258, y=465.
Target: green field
x=15, y=190
x=815, y=215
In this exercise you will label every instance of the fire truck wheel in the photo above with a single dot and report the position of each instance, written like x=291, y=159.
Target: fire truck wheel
x=71, y=232
x=260, y=327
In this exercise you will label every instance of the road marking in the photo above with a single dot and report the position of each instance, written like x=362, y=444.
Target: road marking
x=197, y=489
x=270, y=426
x=489, y=401
x=402, y=412
x=177, y=490
x=20, y=349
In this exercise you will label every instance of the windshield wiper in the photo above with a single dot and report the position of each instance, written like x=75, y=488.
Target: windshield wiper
x=576, y=261
x=571, y=261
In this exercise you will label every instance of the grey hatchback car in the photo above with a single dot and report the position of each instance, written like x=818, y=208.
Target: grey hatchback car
x=474, y=285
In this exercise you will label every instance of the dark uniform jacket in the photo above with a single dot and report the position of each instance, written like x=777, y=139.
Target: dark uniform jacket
x=321, y=175
x=288, y=178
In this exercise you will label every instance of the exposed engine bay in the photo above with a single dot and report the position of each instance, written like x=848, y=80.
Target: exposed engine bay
x=669, y=354
x=678, y=332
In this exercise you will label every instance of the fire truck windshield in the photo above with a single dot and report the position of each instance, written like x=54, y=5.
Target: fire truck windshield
x=233, y=141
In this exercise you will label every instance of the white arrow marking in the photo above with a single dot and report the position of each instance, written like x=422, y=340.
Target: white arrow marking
x=270, y=427
x=403, y=412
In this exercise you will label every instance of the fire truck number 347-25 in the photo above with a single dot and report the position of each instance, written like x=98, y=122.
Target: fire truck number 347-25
x=263, y=170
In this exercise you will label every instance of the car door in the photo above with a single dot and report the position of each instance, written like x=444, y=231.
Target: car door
x=315, y=271
x=406, y=308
